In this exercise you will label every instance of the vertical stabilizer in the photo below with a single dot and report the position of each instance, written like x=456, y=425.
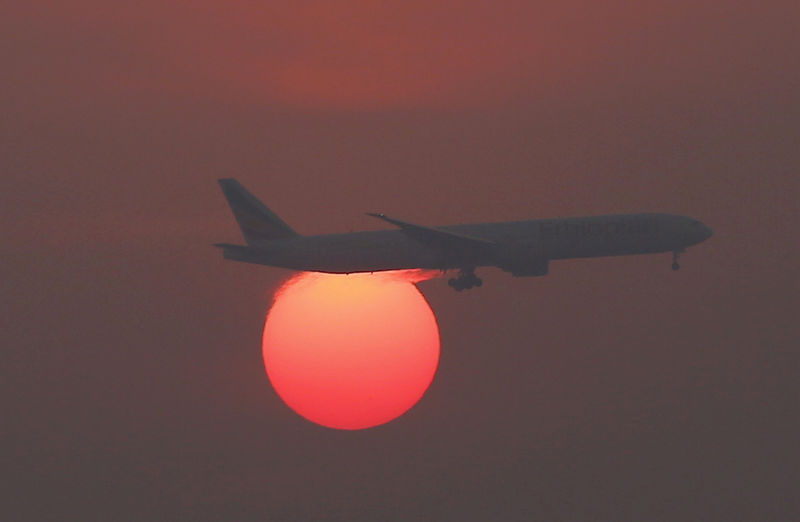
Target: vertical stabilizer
x=258, y=223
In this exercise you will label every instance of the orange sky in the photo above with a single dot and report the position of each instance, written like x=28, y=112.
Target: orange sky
x=132, y=380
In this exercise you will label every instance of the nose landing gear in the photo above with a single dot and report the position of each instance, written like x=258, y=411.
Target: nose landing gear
x=466, y=279
x=675, y=255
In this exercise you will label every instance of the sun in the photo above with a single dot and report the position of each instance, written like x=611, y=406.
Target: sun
x=350, y=351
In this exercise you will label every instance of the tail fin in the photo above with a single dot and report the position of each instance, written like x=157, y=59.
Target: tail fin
x=258, y=223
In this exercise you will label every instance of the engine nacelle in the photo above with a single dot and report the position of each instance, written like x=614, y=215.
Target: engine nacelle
x=529, y=268
x=523, y=260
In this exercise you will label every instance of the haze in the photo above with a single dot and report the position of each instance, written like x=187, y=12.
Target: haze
x=612, y=389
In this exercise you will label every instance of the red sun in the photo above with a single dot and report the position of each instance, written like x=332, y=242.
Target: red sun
x=350, y=351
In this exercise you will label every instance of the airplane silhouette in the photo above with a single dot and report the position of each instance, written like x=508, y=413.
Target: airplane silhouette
x=523, y=248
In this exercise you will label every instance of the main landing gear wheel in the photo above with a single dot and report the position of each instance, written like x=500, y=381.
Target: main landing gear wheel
x=466, y=279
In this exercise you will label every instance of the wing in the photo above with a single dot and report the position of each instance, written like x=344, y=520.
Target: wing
x=438, y=238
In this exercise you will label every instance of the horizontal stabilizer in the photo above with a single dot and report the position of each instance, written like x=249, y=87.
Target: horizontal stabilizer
x=236, y=252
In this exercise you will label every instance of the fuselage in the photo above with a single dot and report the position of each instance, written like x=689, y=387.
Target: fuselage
x=520, y=247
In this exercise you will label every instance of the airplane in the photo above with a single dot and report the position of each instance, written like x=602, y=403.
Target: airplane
x=523, y=248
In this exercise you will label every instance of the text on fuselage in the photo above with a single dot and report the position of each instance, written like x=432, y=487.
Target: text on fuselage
x=590, y=228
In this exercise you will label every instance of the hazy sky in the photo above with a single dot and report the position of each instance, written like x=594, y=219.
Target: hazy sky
x=132, y=385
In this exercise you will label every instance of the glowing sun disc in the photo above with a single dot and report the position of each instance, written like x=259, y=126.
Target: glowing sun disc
x=350, y=351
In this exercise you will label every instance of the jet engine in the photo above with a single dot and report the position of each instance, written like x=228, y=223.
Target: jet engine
x=523, y=260
x=530, y=267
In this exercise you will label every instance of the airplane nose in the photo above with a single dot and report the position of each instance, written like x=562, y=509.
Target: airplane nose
x=697, y=232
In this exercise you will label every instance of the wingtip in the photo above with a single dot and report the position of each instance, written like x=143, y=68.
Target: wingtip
x=379, y=215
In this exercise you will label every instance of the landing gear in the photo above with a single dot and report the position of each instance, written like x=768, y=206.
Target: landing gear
x=466, y=279
x=675, y=255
